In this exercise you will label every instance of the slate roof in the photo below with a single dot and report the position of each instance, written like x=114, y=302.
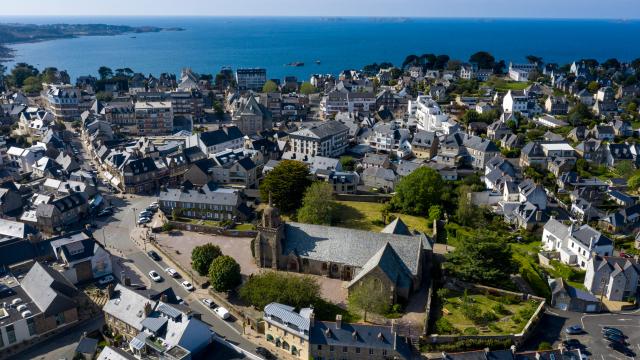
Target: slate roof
x=127, y=306
x=397, y=227
x=407, y=167
x=15, y=229
x=49, y=289
x=557, y=228
x=423, y=138
x=348, y=246
x=141, y=166
x=366, y=337
x=574, y=293
x=586, y=232
x=323, y=130
x=387, y=260
x=216, y=197
x=284, y=315
x=375, y=159
x=216, y=137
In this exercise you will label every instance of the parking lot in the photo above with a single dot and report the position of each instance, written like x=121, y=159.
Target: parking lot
x=594, y=344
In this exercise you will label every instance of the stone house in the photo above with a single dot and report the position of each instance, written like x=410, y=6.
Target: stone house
x=616, y=278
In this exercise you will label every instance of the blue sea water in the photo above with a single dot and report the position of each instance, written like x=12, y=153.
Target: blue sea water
x=208, y=43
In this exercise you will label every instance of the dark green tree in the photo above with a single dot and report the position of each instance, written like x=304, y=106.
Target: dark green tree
x=369, y=296
x=202, y=256
x=307, y=89
x=270, y=87
x=483, y=59
x=418, y=191
x=105, y=72
x=482, y=258
x=21, y=72
x=409, y=61
x=270, y=286
x=286, y=185
x=224, y=274
x=532, y=59
x=347, y=163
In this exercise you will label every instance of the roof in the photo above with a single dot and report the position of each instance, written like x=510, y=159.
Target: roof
x=397, y=227
x=348, y=246
x=586, y=233
x=358, y=335
x=322, y=131
x=87, y=345
x=387, y=260
x=49, y=289
x=14, y=229
x=127, y=306
x=556, y=228
x=561, y=285
x=220, y=136
x=114, y=353
x=285, y=316
x=215, y=197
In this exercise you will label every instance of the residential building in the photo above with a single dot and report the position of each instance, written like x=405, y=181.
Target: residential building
x=63, y=102
x=328, y=139
x=80, y=258
x=251, y=79
x=154, y=118
x=556, y=105
x=429, y=117
x=576, y=246
x=204, y=203
x=61, y=212
x=345, y=101
x=616, y=278
x=391, y=139
x=424, y=144
x=568, y=298
x=212, y=142
x=250, y=116
x=121, y=115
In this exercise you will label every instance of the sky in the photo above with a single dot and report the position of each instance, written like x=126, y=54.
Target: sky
x=590, y=9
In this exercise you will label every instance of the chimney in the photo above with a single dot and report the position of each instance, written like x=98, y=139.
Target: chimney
x=394, y=327
x=147, y=309
x=312, y=319
x=127, y=281
x=538, y=215
x=110, y=291
x=164, y=298
x=338, y=321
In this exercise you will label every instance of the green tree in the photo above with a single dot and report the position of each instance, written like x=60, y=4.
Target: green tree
x=418, y=191
x=481, y=258
x=224, y=273
x=593, y=87
x=307, y=89
x=624, y=169
x=317, y=204
x=532, y=59
x=32, y=84
x=470, y=116
x=483, y=59
x=270, y=87
x=104, y=96
x=634, y=182
x=369, y=296
x=348, y=163
x=21, y=72
x=632, y=108
x=105, y=72
x=270, y=286
x=286, y=185
x=202, y=256
x=435, y=213
x=466, y=213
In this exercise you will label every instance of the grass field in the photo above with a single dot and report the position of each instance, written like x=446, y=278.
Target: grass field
x=368, y=216
x=504, y=85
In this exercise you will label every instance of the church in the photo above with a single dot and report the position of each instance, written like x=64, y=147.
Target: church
x=395, y=258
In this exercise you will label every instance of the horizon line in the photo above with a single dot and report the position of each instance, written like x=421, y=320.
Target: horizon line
x=398, y=17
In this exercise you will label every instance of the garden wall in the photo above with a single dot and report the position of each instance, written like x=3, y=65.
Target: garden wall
x=373, y=198
x=212, y=230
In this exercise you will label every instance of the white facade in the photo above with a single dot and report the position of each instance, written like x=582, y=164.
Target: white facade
x=570, y=242
x=515, y=102
x=519, y=75
x=429, y=117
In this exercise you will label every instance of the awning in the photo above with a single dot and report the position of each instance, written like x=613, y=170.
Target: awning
x=137, y=342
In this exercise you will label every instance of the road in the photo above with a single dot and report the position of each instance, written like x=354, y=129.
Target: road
x=115, y=233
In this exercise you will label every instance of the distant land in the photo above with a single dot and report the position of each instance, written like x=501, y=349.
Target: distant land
x=22, y=33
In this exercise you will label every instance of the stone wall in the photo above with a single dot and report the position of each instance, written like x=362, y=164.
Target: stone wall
x=212, y=230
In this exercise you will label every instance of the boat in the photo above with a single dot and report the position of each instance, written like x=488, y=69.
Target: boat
x=318, y=62
x=296, y=64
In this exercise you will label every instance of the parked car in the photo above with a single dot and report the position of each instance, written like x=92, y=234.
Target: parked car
x=154, y=205
x=152, y=210
x=180, y=300
x=265, y=353
x=222, y=312
x=146, y=214
x=621, y=349
x=615, y=338
x=143, y=220
x=154, y=255
x=187, y=286
x=172, y=272
x=106, y=280
x=155, y=276
x=208, y=302
x=574, y=330
x=608, y=329
x=613, y=332
x=572, y=344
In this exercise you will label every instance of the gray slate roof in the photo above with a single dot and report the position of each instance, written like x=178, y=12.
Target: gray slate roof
x=49, y=289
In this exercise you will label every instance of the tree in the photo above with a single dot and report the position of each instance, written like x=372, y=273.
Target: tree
x=317, y=205
x=593, y=87
x=32, y=84
x=49, y=75
x=441, y=62
x=348, y=163
x=224, y=273
x=435, y=213
x=470, y=116
x=202, y=256
x=286, y=184
x=466, y=213
x=270, y=87
x=624, y=169
x=105, y=72
x=409, y=60
x=308, y=89
x=369, y=296
x=532, y=59
x=612, y=63
x=270, y=286
x=634, y=182
x=483, y=59
x=21, y=72
x=418, y=191
x=104, y=96
x=481, y=258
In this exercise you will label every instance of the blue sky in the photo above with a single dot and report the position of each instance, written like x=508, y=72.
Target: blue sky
x=612, y=9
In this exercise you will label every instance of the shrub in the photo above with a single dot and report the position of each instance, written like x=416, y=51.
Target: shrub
x=443, y=326
x=471, y=331
x=495, y=328
x=443, y=293
x=224, y=273
x=544, y=346
x=500, y=309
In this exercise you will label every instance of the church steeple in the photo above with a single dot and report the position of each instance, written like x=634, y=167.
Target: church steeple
x=271, y=216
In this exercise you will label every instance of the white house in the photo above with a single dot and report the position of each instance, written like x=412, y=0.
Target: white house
x=616, y=278
x=576, y=246
x=515, y=101
x=428, y=116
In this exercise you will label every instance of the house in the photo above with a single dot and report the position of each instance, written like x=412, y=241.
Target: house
x=549, y=121
x=616, y=153
x=238, y=168
x=556, y=105
x=125, y=311
x=251, y=78
x=379, y=178
x=154, y=117
x=34, y=122
x=520, y=75
x=343, y=182
x=80, y=258
x=567, y=298
x=302, y=336
x=61, y=212
x=428, y=116
x=576, y=246
x=204, y=203
x=41, y=302
x=424, y=144
x=63, y=102
x=626, y=218
x=535, y=194
x=498, y=130
x=328, y=139
x=11, y=201
x=498, y=171
x=538, y=153
x=390, y=138
x=516, y=101
x=396, y=261
x=585, y=97
x=615, y=278
x=622, y=128
x=372, y=160
x=211, y=142
x=603, y=132
x=593, y=151
x=22, y=159
x=249, y=116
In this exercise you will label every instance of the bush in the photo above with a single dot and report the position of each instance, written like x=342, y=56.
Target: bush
x=443, y=327
x=471, y=331
x=545, y=346
x=500, y=309
x=443, y=293
x=224, y=273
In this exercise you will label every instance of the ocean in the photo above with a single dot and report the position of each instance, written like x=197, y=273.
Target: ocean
x=209, y=43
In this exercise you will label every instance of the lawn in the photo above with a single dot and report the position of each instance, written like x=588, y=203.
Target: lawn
x=504, y=85
x=199, y=222
x=368, y=216
x=478, y=314
x=245, y=226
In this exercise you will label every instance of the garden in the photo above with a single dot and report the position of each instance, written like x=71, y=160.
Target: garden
x=465, y=313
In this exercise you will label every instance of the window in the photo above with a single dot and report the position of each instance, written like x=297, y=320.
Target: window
x=330, y=347
x=357, y=350
x=370, y=351
x=31, y=324
x=11, y=334
x=59, y=319
x=319, y=347
x=345, y=349
x=384, y=352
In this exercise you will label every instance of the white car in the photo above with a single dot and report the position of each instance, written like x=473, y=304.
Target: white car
x=106, y=280
x=208, y=302
x=143, y=220
x=155, y=276
x=187, y=286
x=172, y=272
x=222, y=312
